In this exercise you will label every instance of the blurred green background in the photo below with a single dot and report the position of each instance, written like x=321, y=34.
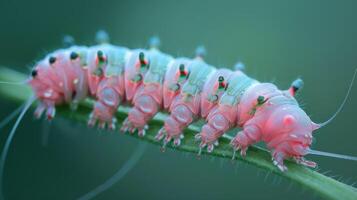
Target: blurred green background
x=277, y=40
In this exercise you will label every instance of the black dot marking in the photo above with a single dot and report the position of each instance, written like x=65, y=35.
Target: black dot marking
x=73, y=55
x=182, y=68
x=100, y=55
x=220, y=79
x=34, y=73
x=296, y=85
x=295, y=88
x=52, y=60
x=141, y=57
x=261, y=100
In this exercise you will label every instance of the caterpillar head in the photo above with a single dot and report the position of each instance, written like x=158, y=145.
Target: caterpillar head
x=290, y=129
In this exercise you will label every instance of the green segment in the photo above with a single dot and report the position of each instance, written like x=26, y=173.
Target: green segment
x=116, y=61
x=199, y=72
x=235, y=90
x=158, y=63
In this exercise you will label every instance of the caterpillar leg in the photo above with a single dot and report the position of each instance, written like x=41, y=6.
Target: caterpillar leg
x=248, y=136
x=278, y=160
x=211, y=131
x=179, y=118
x=48, y=107
x=104, y=109
x=285, y=150
x=103, y=115
x=302, y=161
x=145, y=107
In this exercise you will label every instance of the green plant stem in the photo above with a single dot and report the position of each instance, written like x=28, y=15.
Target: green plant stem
x=324, y=186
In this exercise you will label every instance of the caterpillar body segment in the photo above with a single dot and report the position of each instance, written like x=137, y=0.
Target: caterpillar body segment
x=226, y=114
x=106, y=82
x=135, y=69
x=148, y=98
x=189, y=89
x=175, y=77
x=186, y=106
x=213, y=89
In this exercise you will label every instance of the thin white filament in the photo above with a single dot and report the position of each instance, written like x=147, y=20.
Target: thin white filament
x=129, y=164
x=333, y=155
x=343, y=102
x=8, y=142
x=13, y=83
x=5, y=121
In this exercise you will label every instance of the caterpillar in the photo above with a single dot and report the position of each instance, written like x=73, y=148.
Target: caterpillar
x=151, y=81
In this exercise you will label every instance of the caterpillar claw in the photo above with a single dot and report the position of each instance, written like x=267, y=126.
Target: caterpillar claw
x=307, y=163
x=101, y=125
x=51, y=112
x=112, y=124
x=234, y=154
x=132, y=130
x=280, y=166
x=177, y=141
x=278, y=160
x=141, y=132
x=237, y=146
x=125, y=126
x=160, y=134
x=203, y=144
x=210, y=148
x=167, y=139
x=199, y=153
x=243, y=151
x=92, y=120
x=165, y=142
x=39, y=111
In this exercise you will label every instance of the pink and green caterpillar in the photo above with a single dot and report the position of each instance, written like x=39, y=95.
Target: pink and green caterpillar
x=151, y=81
